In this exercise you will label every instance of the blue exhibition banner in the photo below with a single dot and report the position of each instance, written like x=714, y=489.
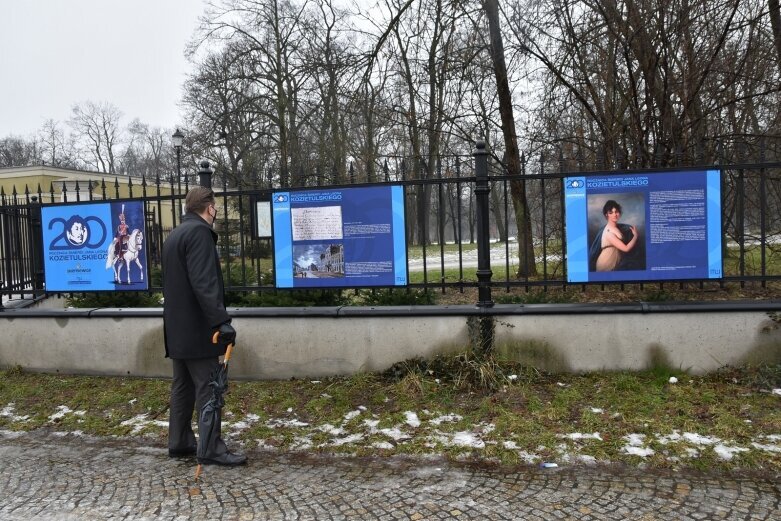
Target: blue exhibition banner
x=648, y=226
x=344, y=237
x=94, y=246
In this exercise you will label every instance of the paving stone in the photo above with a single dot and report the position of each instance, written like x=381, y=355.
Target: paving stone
x=72, y=478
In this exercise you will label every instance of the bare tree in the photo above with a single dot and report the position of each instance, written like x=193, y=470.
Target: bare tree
x=526, y=257
x=97, y=128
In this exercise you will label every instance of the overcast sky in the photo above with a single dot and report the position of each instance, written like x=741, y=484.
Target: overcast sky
x=55, y=53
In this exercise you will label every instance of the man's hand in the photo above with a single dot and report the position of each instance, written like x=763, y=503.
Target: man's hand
x=227, y=334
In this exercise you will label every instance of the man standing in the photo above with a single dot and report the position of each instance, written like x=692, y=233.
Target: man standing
x=194, y=307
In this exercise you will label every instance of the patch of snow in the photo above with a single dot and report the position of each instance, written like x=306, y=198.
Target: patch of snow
x=726, y=453
x=510, y=445
x=673, y=380
x=675, y=436
x=8, y=412
x=395, y=433
x=635, y=446
x=698, y=439
x=301, y=443
x=371, y=424
x=10, y=434
x=467, y=439
x=140, y=422
x=352, y=438
x=446, y=418
x=330, y=429
x=692, y=453
x=62, y=410
x=588, y=460
x=275, y=423
x=315, y=381
x=643, y=452
x=488, y=428
x=133, y=401
x=596, y=410
x=777, y=392
x=325, y=395
x=580, y=436
x=512, y=377
x=412, y=419
x=635, y=440
x=766, y=448
x=350, y=415
x=382, y=445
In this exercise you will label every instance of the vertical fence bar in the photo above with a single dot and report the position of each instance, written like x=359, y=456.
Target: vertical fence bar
x=762, y=211
x=460, y=237
x=482, y=190
x=441, y=223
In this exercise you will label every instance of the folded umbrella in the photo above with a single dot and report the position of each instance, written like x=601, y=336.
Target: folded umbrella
x=210, y=416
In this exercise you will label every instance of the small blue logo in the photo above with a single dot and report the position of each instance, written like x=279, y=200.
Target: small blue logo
x=575, y=183
x=281, y=198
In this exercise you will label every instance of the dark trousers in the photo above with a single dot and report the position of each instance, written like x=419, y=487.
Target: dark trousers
x=189, y=391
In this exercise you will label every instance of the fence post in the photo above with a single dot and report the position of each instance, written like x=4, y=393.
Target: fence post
x=205, y=174
x=482, y=189
x=36, y=225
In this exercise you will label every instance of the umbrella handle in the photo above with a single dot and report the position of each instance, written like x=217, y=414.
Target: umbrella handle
x=227, y=351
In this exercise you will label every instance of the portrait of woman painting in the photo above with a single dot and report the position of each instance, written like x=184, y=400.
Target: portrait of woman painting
x=616, y=230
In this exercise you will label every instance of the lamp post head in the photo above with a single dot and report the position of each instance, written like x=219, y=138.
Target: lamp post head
x=178, y=139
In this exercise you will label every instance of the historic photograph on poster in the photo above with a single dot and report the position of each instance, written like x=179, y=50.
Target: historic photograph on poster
x=649, y=226
x=349, y=237
x=263, y=219
x=95, y=246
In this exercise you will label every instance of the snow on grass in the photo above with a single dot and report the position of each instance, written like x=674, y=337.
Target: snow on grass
x=63, y=410
x=352, y=438
x=242, y=425
x=411, y=419
x=577, y=436
x=277, y=423
x=331, y=429
x=636, y=446
x=459, y=439
x=8, y=412
x=727, y=452
x=394, y=433
x=140, y=422
x=698, y=439
x=450, y=418
x=596, y=410
x=352, y=414
x=777, y=392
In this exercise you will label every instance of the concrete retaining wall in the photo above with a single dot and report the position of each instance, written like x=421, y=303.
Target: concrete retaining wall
x=281, y=343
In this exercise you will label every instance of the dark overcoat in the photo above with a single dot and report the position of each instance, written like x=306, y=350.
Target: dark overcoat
x=193, y=290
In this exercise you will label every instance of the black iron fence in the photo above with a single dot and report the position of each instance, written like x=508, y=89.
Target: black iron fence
x=461, y=223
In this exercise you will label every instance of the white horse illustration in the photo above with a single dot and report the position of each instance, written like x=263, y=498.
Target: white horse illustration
x=134, y=245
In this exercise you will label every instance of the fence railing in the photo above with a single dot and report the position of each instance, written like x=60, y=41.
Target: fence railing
x=461, y=225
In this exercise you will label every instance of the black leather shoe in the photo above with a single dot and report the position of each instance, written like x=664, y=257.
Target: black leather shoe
x=228, y=459
x=182, y=453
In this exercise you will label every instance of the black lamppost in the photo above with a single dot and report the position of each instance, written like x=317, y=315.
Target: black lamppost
x=178, y=139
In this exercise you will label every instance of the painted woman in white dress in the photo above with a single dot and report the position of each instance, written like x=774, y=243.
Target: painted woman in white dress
x=613, y=245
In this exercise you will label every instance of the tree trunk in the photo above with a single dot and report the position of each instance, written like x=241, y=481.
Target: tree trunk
x=775, y=23
x=526, y=265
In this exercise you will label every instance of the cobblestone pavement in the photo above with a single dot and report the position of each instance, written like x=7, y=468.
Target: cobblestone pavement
x=44, y=476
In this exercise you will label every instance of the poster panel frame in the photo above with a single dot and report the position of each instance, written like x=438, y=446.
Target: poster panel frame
x=75, y=262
